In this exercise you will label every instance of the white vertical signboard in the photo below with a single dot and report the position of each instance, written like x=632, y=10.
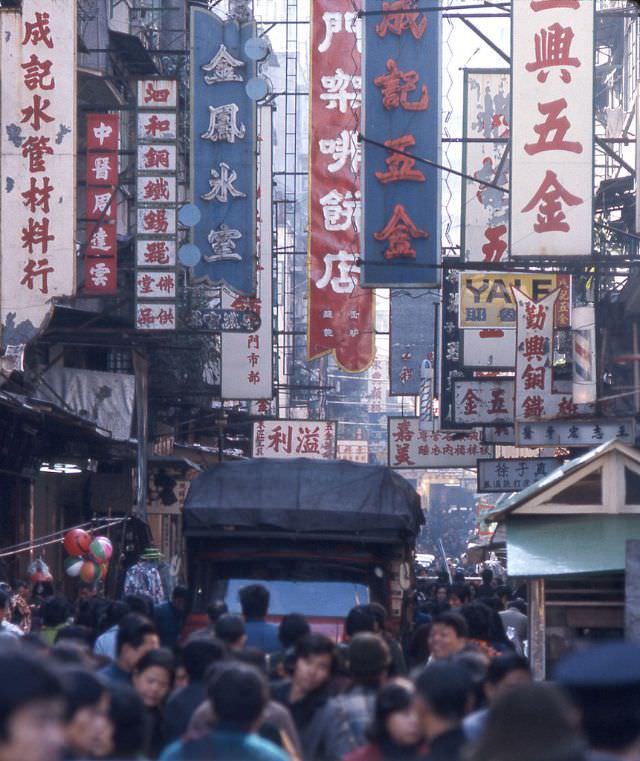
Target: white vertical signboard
x=247, y=357
x=552, y=127
x=37, y=163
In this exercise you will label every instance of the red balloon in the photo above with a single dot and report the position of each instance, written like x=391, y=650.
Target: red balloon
x=90, y=571
x=77, y=541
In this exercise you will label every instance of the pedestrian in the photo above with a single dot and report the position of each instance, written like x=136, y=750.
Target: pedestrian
x=5, y=614
x=292, y=628
x=170, y=617
x=348, y=716
x=488, y=586
x=127, y=715
x=136, y=636
x=21, y=615
x=105, y=643
x=231, y=630
x=515, y=624
x=478, y=616
x=152, y=679
x=254, y=601
x=54, y=613
x=395, y=733
x=88, y=731
x=238, y=694
x=398, y=665
x=31, y=709
x=443, y=696
x=447, y=636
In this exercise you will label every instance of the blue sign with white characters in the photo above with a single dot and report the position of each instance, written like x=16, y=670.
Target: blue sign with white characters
x=401, y=120
x=223, y=152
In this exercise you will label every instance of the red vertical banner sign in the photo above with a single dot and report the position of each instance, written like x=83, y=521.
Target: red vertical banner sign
x=340, y=312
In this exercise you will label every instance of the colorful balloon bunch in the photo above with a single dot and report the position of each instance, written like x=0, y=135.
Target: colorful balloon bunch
x=89, y=555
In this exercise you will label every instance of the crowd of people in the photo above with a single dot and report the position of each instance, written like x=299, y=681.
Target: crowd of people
x=122, y=680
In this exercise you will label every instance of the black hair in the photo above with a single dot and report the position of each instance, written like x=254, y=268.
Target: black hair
x=198, y=653
x=5, y=598
x=359, y=619
x=253, y=656
x=132, y=630
x=54, y=611
x=315, y=644
x=379, y=613
x=216, y=609
x=445, y=687
x=394, y=696
x=453, y=620
x=461, y=591
x=20, y=583
x=115, y=611
x=504, y=664
x=82, y=634
x=81, y=689
x=180, y=592
x=140, y=604
x=478, y=618
x=68, y=653
x=518, y=604
x=254, y=601
x=292, y=627
x=238, y=694
x=128, y=716
x=160, y=658
x=369, y=659
x=25, y=679
x=230, y=629
x=610, y=715
x=487, y=576
x=89, y=612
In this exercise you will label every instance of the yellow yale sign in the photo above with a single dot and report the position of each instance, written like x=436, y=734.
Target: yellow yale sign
x=486, y=299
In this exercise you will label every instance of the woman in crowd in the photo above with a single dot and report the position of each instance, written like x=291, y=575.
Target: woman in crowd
x=153, y=679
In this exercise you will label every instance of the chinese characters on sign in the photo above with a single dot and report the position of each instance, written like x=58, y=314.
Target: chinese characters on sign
x=101, y=247
x=156, y=197
x=485, y=210
x=223, y=141
x=37, y=153
x=353, y=450
x=295, y=438
x=552, y=129
x=409, y=347
x=410, y=447
x=574, y=433
x=340, y=311
x=401, y=119
x=486, y=401
x=513, y=475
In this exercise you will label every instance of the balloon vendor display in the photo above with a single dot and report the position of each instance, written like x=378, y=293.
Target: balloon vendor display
x=90, y=555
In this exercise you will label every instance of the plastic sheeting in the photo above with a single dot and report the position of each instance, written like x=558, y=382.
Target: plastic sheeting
x=303, y=495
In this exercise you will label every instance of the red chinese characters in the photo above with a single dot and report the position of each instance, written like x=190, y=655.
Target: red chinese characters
x=398, y=232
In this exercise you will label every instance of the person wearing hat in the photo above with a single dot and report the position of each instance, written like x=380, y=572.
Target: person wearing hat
x=348, y=716
x=604, y=684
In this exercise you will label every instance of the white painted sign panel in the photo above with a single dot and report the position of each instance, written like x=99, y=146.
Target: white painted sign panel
x=497, y=476
x=486, y=401
x=409, y=447
x=295, y=438
x=491, y=347
x=574, y=433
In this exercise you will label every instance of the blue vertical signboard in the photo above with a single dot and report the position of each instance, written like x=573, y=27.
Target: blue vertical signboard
x=401, y=120
x=223, y=152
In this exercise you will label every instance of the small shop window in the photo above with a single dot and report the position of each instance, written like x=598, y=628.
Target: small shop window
x=631, y=487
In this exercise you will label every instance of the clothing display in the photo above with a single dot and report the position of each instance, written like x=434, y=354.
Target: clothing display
x=143, y=578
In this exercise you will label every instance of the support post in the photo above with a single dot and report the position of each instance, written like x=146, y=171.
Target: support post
x=141, y=370
x=537, y=629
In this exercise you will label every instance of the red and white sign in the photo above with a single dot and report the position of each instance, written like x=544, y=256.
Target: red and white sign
x=486, y=401
x=153, y=188
x=102, y=169
x=552, y=128
x=154, y=125
x=156, y=284
x=37, y=154
x=156, y=158
x=295, y=438
x=150, y=316
x=409, y=447
x=103, y=132
x=155, y=253
x=340, y=311
x=158, y=93
x=154, y=220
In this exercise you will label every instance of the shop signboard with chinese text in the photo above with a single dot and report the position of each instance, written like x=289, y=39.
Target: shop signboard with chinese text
x=412, y=328
x=353, y=450
x=497, y=476
x=247, y=369
x=340, y=312
x=401, y=119
x=552, y=128
x=315, y=439
x=575, y=433
x=484, y=401
x=38, y=158
x=485, y=210
x=223, y=148
x=409, y=447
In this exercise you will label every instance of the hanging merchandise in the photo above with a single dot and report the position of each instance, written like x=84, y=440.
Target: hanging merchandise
x=89, y=555
x=38, y=570
x=100, y=550
x=90, y=571
x=143, y=578
x=77, y=541
x=72, y=566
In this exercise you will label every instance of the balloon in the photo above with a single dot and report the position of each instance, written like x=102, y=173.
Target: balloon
x=98, y=552
x=108, y=547
x=90, y=571
x=77, y=541
x=104, y=570
x=73, y=565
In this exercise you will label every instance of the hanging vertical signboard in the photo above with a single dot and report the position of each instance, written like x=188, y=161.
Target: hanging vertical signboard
x=340, y=312
x=38, y=159
x=485, y=210
x=401, y=119
x=223, y=150
x=412, y=328
x=552, y=128
x=247, y=358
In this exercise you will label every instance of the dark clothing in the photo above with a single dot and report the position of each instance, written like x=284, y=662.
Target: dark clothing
x=387, y=751
x=309, y=717
x=347, y=718
x=169, y=622
x=180, y=708
x=114, y=674
x=156, y=739
x=447, y=747
x=262, y=635
x=225, y=744
x=485, y=590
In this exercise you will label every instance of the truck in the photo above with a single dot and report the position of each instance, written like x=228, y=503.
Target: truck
x=321, y=535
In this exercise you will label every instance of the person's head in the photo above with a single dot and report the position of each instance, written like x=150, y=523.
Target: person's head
x=87, y=590
x=379, y=613
x=506, y=671
x=54, y=611
x=216, y=609
x=152, y=677
x=478, y=618
x=128, y=720
x=140, y=604
x=314, y=663
x=396, y=717
x=5, y=603
x=369, y=659
x=238, y=694
x=88, y=731
x=31, y=709
x=180, y=598
x=459, y=594
x=74, y=633
x=21, y=587
x=230, y=629
x=448, y=635
x=198, y=653
x=487, y=576
x=115, y=611
x=442, y=593
x=359, y=619
x=292, y=627
x=530, y=722
x=254, y=601
x=136, y=636
x=518, y=604
x=443, y=697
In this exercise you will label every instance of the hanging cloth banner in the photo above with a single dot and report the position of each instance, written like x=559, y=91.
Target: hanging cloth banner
x=340, y=312
x=401, y=75
x=223, y=152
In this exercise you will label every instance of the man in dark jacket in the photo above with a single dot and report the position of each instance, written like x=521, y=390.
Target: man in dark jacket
x=170, y=617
